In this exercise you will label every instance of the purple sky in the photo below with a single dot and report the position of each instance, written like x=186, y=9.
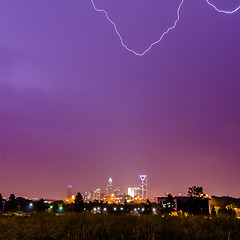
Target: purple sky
x=77, y=108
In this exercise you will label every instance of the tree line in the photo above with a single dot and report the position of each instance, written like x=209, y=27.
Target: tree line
x=195, y=204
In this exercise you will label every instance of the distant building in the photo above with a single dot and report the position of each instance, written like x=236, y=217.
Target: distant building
x=96, y=195
x=131, y=192
x=143, y=186
x=121, y=198
x=116, y=191
x=87, y=196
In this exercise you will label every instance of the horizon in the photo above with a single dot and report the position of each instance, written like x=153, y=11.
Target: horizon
x=122, y=191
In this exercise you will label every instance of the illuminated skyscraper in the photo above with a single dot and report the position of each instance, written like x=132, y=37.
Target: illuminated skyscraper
x=131, y=192
x=143, y=186
x=109, y=188
x=134, y=191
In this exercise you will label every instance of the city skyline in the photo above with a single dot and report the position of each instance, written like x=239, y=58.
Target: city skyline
x=111, y=192
x=116, y=194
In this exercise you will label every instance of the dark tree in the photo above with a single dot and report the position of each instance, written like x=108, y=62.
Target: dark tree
x=12, y=197
x=1, y=202
x=127, y=207
x=22, y=204
x=148, y=207
x=195, y=192
x=11, y=203
x=78, y=204
x=228, y=210
x=40, y=206
x=197, y=204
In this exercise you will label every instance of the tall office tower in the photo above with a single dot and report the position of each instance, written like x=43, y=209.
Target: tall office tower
x=109, y=189
x=143, y=186
x=69, y=192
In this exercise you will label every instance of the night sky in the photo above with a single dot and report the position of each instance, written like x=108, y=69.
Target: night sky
x=77, y=108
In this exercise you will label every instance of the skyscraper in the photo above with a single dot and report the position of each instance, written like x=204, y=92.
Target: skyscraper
x=143, y=186
x=131, y=192
x=134, y=191
x=109, y=188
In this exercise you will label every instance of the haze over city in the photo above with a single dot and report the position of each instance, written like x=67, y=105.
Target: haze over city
x=76, y=108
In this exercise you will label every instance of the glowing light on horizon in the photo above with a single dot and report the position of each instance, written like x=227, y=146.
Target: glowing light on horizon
x=165, y=33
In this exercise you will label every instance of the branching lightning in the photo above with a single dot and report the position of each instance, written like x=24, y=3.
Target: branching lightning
x=165, y=33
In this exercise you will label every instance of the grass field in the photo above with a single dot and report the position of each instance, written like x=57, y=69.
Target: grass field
x=75, y=226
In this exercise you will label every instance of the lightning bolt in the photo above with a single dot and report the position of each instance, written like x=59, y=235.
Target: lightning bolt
x=154, y=43
x=165, y=33
x=222, y=11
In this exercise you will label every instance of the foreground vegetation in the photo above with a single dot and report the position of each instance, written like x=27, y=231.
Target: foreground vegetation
x=73, y=226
